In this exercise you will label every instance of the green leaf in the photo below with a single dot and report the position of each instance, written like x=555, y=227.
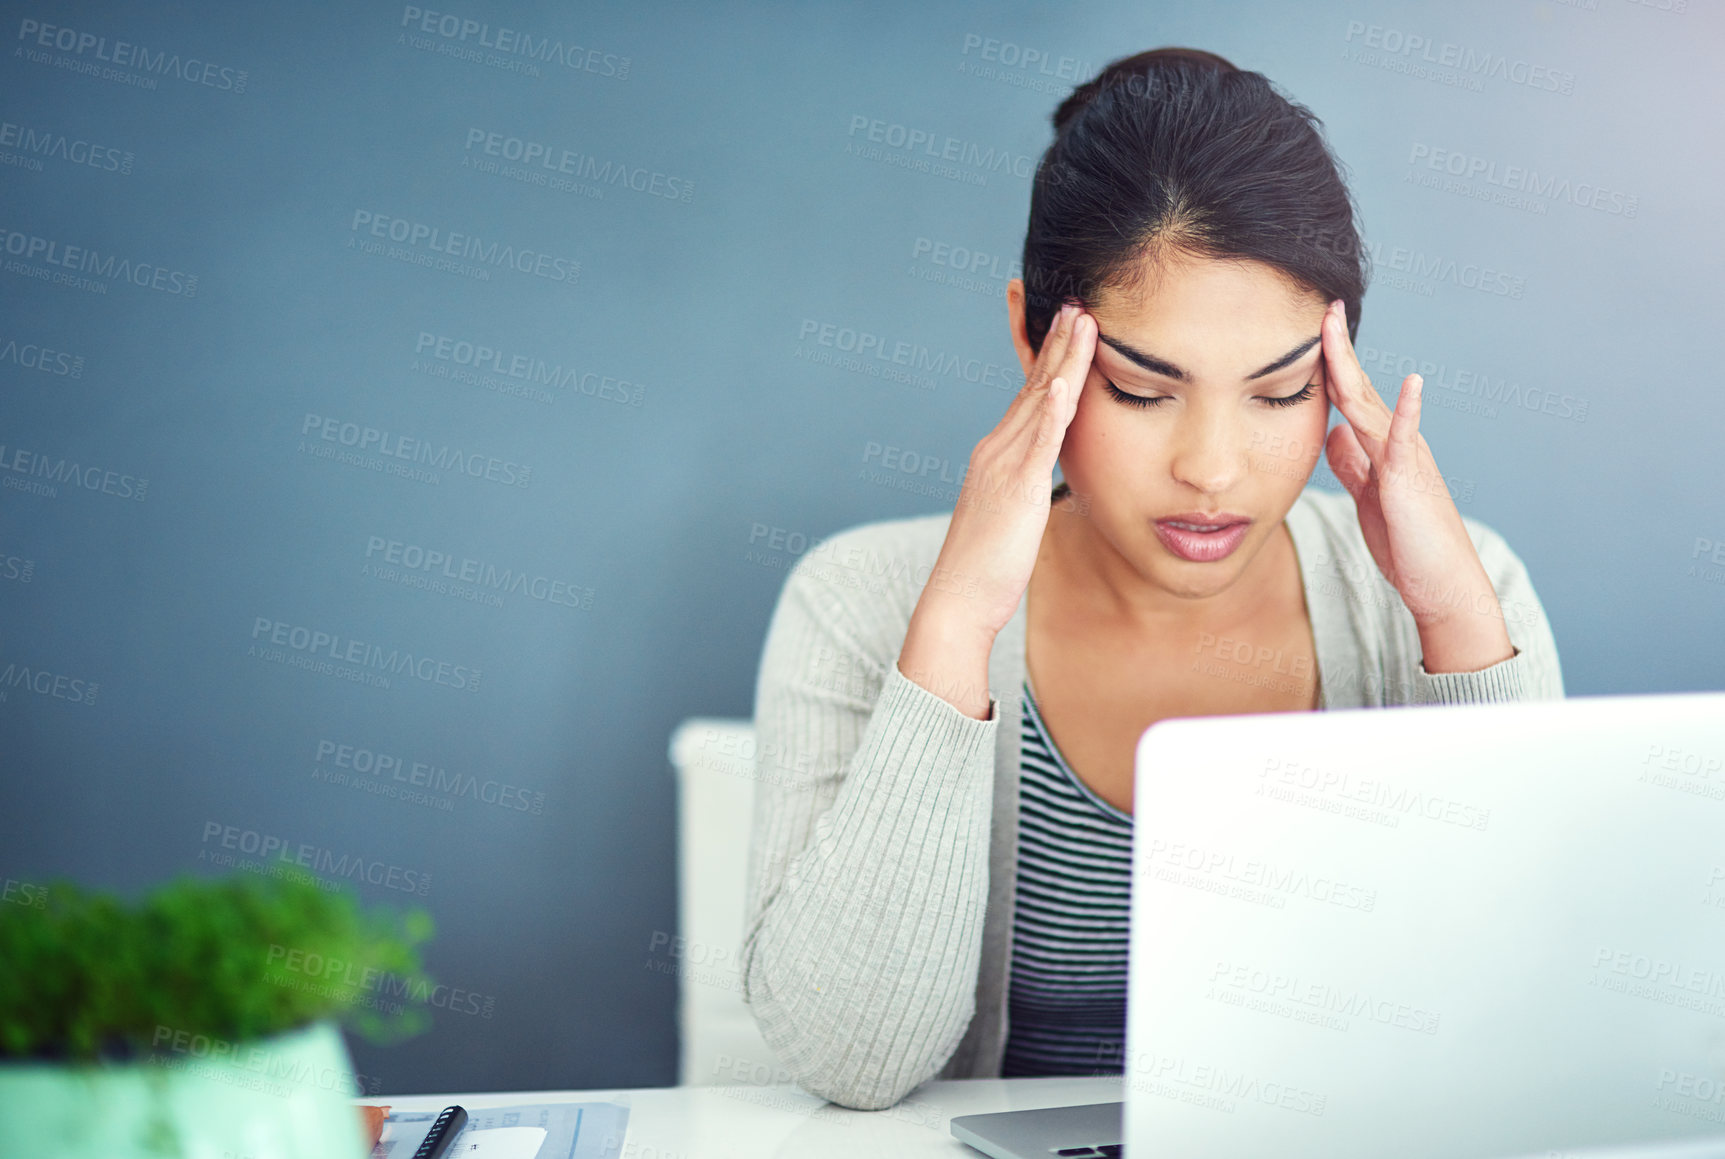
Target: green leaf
x=234, y=959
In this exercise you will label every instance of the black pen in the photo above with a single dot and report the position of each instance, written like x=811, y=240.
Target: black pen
x=443, y=1132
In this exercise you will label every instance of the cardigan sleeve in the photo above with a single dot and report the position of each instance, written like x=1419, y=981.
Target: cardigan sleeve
x=868, y=859
x=1533, y=672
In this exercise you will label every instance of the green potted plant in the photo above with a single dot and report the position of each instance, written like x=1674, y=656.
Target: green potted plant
x=201, y=1021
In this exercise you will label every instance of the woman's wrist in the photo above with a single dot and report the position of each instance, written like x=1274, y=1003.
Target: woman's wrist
x=948, y=656
x=1471, y=638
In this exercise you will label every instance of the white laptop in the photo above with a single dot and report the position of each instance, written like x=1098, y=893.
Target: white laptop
x=1457, y=932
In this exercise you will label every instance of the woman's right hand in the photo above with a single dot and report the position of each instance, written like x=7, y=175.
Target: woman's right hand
x=997, y=524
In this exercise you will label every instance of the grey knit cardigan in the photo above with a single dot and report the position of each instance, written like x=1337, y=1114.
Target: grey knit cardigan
x=882, y=861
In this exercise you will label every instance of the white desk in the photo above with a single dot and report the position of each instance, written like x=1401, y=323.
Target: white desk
x=786, y=1122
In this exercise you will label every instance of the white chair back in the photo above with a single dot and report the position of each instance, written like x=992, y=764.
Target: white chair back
x=714, y=759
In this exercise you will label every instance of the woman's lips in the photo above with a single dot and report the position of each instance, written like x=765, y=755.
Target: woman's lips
x=1202, y=538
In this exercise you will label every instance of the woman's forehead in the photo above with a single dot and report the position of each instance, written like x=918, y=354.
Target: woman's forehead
x=1153, y=288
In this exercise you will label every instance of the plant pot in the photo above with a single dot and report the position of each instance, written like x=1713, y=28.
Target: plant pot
x=285, y=1097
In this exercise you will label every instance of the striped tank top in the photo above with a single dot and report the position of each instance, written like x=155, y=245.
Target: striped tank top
x=1066, y=1000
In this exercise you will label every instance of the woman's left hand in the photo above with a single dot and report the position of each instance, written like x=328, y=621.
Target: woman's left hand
x=1410, y=523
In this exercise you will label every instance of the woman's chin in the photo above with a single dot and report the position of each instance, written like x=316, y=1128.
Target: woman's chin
x=1195, y=581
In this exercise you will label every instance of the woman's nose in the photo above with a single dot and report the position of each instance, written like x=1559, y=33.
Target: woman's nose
x=1210, y=455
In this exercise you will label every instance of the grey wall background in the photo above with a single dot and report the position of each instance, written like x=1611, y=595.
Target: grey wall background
x=663, y=428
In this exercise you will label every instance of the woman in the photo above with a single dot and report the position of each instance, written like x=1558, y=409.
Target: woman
x=948, y=706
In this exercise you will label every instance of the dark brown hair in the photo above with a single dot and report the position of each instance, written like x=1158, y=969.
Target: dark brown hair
x=1176, y=151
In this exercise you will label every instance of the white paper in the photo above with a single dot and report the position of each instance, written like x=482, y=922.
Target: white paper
x=587, y=1130
x=497, y=1143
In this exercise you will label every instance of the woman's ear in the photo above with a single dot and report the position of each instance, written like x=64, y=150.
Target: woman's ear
x=1020, y=331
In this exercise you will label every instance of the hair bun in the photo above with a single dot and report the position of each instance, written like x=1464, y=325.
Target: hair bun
x=1137, y=69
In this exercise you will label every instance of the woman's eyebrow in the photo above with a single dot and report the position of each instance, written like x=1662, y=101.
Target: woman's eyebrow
x=1168, y=370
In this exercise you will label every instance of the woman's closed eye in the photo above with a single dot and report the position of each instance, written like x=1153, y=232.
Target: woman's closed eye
x=1131, y=399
